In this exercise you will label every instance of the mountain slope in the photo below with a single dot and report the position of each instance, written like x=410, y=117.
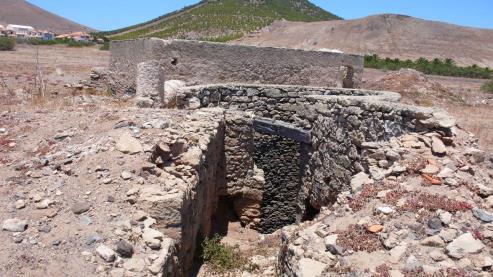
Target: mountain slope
x=24, y=13
x=223, y=20
x=387, y=35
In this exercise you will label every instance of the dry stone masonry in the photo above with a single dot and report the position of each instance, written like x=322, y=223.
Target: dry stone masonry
x=351, y=181
x=287, y=151
x=284, y=151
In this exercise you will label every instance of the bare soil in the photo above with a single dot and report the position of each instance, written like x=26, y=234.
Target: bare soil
x=461, y=97
x=388, y=35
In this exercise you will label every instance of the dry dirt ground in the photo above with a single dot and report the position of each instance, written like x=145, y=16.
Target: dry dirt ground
x=461, y=97
x=59, y=66
x=70, y=123
x=57, y=151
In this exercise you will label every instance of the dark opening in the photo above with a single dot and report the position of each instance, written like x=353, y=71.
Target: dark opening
x=310, y=211
x=348, y=81
x=174, y=61
x=279, y=158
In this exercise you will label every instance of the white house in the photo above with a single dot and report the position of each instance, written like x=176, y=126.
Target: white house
x=20, y=30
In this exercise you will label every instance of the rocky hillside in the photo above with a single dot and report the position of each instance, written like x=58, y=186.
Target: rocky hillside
x=24, y=13
x=387, y=35
x=223, y=20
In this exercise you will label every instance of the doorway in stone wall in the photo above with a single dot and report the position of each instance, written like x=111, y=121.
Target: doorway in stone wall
x=348, y=81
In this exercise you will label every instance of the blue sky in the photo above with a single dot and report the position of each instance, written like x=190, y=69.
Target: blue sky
x=112, y=14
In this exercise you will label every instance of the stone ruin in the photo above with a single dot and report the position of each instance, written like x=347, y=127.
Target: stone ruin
x=278, y=152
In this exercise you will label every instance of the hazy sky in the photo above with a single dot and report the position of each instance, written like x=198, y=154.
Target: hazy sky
x=112, y=14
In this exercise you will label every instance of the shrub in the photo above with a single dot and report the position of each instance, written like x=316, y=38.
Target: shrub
x=105, y=46
x=7, y=44
x=221, y=258
x=37, y=41
x=488, y=87
x=445, y=67
x=73, y=43
x=358, y=238
x=431, y=202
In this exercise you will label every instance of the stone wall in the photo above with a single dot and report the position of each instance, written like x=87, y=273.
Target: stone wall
x=341, y=121
x=278, y=102
x=206, y=63
x=267, y=178
x=183, y=200
x=244, y=182
x=279, y=158
x=342, y=128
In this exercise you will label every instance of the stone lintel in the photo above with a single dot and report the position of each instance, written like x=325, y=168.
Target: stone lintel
x=282, y=129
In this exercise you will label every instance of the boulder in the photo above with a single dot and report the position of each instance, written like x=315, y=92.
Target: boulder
x=80, y=207
x=310, y=268
x=128, y=144
x=166, y=261
x=482, y=215
x=463, y=245
x=359, y=180
x=172, y=90
x=125, y=249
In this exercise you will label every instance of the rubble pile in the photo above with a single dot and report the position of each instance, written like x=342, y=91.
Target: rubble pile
x=422, y=207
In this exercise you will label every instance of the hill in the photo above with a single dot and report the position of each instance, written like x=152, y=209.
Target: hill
x=223, y=20
x=387, y=35
x=24, y=13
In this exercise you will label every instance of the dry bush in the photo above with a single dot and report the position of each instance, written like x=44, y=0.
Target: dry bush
x=358, y=238
x=220, y=257
x=431, y=202
x=369, y=191
x=382, y=271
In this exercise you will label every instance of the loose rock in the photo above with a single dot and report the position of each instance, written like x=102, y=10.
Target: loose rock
x=463, y=245
x=125, y=249
x=14, y=225
x=80, y=207
x=106, y=253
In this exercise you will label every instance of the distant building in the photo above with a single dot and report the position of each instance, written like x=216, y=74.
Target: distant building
x=46, y=35
x=77, y=36
x=7, y=33
x=21, y=30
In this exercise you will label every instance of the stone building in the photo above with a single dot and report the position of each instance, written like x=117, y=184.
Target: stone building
x=197, y=62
